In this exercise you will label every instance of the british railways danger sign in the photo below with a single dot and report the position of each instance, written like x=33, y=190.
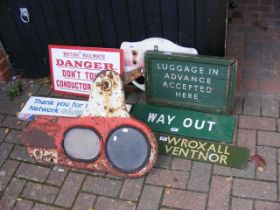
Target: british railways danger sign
x=203, y=83
x=74, y=68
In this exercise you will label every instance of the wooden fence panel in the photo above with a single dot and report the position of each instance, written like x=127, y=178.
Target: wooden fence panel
x=214, y=27
x=121, y=20
x=12, y=42
x=136, y=19
x=78, y=21
x=107, y=26
x=152, y=18
x=186, y=14
x=92, y=22
x=64, y=21
x=30, y=41
x=169, y=20
x=50, y=13
x=107, y=23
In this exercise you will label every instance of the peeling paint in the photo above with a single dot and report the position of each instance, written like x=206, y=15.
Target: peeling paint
x=107, y=97
x=106, y=111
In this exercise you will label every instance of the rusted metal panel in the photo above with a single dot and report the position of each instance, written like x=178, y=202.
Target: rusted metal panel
x=45, y=144
x=107, y=97
x=133, y=75
x=44, y=137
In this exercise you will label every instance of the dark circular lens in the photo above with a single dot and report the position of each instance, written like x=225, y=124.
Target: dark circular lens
x=127, y=149
x=81, y=144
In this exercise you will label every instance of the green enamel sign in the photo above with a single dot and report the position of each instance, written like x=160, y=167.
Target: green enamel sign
x=185, y=122
x=203, y=83
x=205, y=151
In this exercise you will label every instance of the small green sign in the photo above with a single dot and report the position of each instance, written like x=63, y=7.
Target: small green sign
x=205, y=151
x=203, y=83
x=186, y=123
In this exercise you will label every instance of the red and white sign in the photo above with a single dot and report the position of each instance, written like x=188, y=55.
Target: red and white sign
x=74, y=68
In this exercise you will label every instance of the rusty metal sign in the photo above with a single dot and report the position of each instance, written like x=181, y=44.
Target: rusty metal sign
x=104, y=138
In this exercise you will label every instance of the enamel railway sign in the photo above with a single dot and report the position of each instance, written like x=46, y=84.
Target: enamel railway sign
x=74, y=68
x=186, y=123
x=203, y=83
x=204, y=151
x=59, y=107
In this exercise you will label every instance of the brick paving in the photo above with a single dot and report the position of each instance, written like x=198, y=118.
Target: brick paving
x=173, y=184
x=219, y=195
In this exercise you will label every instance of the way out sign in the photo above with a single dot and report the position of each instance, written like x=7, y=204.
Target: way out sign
x=186, y=123
x=204, y=151
x=74, y=68
x=203, y=83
